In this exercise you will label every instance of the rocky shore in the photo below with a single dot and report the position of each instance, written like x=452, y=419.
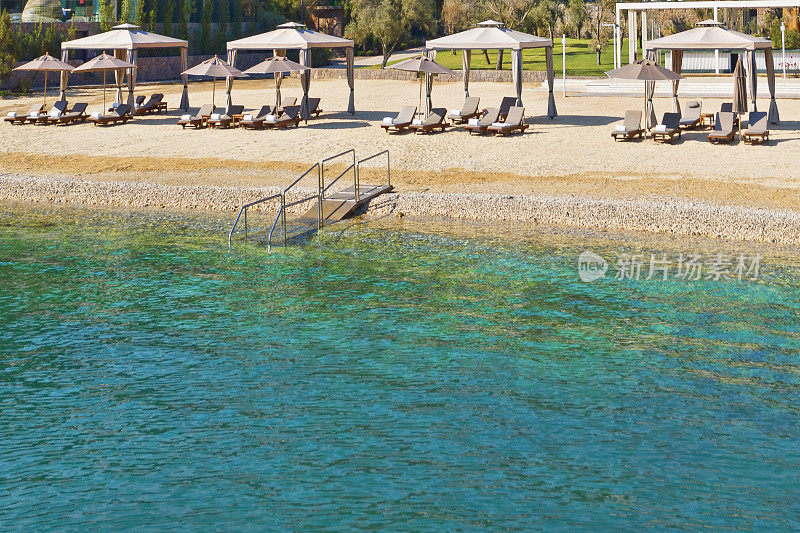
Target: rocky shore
x=676, y=216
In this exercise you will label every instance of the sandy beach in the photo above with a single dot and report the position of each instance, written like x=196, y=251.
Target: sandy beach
x=563, y=171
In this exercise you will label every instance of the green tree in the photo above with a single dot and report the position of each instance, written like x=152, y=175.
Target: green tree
x=169, y=11
x=577, y=15
x=8, y=45
x=153, y=18
x=223, y=20
x=106, y=11
x=125, y=11
x=139, y=12
x=389, y=21
x=600, y=34
x=238, y=18
x=547, y=14
x=205, y=24
x=187, y=10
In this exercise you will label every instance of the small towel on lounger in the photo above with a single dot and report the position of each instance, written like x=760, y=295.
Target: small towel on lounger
x=186, y=118
x=34, y=115
x=497, y=124
x=417, y=122
x=661, y=128
x=270, y=118
x=96, y=114
x=215, y=116
x=474, y=122
x=12, y=114
x=55, y=113
x=619, y=128
x=247, y=118
x=388, y=121
x=455, y=112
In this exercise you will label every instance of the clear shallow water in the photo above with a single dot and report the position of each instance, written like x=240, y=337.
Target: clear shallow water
x=381, y=378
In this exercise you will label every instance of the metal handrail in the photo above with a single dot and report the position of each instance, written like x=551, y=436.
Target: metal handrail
x=244, y=210
x=358, y=171
x=281, y=211
x=348, y=169
x=322, y=187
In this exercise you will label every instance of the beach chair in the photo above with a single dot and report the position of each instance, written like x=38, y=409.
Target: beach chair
x=723, y=128
x=20, y=118
x=256, y=121
x=668, y=128
x=630, y=128
x=56, y=111
x=313, y=107
x=727, y=107
x=479, y=125
x=402, y=121
x=138, y=102
x=692, y=118
x=290, y=115
x=468, y=110
x=225, y=120
x=434, y=121
x=506, y=104
x=122, y=113
x=756, y=128
x=154, y=104
x=76, y=114
x=514, y=121
x=286, y=102
x=197, y=120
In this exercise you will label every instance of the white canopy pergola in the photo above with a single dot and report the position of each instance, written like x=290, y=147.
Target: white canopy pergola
x=125, y=40
x=709, y=35
x=294, y=36
x=493, y=35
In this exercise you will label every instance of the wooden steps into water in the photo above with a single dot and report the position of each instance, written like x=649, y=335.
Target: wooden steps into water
x=343, y=204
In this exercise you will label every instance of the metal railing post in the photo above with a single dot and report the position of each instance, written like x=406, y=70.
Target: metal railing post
x=283, y=218
x=245, y=224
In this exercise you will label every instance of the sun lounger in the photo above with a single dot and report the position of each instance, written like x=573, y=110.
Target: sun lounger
x=727, y=107
x=19, y=118
x=692, y=118
x=468, y=110
x=256, y=121
x=313, y=107
x=286, y=102
x=225, y=120
x=139, y=101
x=76, y=114
x=197, y=120
x=56, y=111
x=630, y=128
x=756, y=128
x=723, y=128
x=515, y=121
x=669, y=127
x=434, y=121
x=154, y=104
x=122, y=113
x=505, y=104
x=479, y=125
x=290, y=115
x=402, y=121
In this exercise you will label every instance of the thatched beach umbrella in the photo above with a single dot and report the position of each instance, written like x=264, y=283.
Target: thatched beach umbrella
x=650, y=72
x=215, y=68
x=103, y=62
x=46, y=64
x=422, y=65
x=277, y=65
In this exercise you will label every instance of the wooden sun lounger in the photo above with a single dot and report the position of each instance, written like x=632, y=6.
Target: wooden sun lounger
x=76, y=114
x=34, y=112
x=723, y=128
x=693, y=116
x=633, y=126
x=505, y=105
x=225, y=120
x=290, y=115
x=468, y=110
x=56, y=111
x=491, y=116
x=727, y=107
x=197, y=120
x=257, y=122
x=313, y=107
x=672, y=122
x=154, y=104
x=121, y=114
x=403, y=119
x=756, y=131
x=433, y=122
x=515, y=121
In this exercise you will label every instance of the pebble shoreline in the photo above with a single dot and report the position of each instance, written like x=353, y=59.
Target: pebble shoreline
x=661, y=215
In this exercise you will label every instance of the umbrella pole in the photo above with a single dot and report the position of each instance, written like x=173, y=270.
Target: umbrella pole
x=213, y=90
x=44, y=98
x=104, y=91
x=421, y=81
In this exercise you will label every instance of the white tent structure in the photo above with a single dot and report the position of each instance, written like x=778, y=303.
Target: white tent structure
x=294, y=36
x=709, y=35
x=125, y=40
x=493, y=35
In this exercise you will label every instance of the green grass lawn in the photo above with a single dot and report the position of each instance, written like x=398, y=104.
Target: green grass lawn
x=581, y=58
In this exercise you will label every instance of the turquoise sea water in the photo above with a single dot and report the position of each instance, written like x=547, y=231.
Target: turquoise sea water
x=381, y=377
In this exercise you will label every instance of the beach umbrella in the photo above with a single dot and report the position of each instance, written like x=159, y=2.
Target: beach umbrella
x=103, y=62
x=650, y=72
x=739, y=91
x=277, y=65
x=46, y=64
x=215, y=68
x=421, y=65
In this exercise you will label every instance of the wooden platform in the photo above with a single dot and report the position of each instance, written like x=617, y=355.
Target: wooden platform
x=343, y=204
